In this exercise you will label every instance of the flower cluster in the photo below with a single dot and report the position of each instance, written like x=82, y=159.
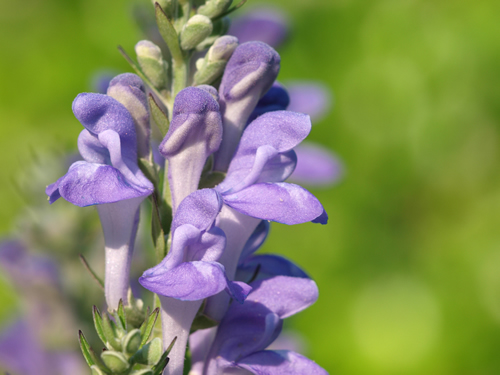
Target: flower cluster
x=225, y=156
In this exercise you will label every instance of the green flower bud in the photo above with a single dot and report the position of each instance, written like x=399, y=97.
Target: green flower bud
x=115, y=361
x=195, y=31
x=212, y=66
x=213, y=8
x=221, y=27
x=151, y=62
x=131, y=341
x=150, y=353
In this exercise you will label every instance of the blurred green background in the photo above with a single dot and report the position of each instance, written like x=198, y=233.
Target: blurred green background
x=409, y=264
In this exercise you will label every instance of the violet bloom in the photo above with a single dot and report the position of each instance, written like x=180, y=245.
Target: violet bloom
x=190, y=271
x=195, y=132
x=316, y=165
x=110, y=178
x=265, y=24
x=249, y=73
x=253, y=187
x=248, y=329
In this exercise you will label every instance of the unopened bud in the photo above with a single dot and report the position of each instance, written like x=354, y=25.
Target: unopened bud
x=152, y=63
x=150, y=353
x=195, y=31
x=220, y=27
x=212, y=66
x=213, y=8
x=115, y=361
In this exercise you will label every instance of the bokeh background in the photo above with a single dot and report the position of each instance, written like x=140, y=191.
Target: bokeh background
x=409, y=265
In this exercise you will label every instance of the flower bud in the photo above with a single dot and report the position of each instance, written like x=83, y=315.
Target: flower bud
x=152, y=64
x=195, y=133
x=115, y=361
x=220, y=27
x=211, y=67
x=150, y=353
x=249, y=74
x=195, y=31
x=129, y=90
x=213, y=8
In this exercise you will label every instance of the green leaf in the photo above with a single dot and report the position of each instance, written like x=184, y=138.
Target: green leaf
x=87, y=351
x=98, y=324
x=97, y=371
x=159, y=117
x=157, y=229
x=148, y=326
x=115, y=361
x=111, y=333
x=169, y=34
x=96, y=278
x=142, y=372
x=162, y=363
x=120, y=313
x=229, y=11
x=150, y=353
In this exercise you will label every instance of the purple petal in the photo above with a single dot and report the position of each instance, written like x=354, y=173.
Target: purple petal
x=98, y=113
x=281, y=202
x=283, y=295
x=255, y=324
x=316, y=166
x=260, y=267
x=190, y=281
x=280, y=362
x=267, y=25
x=128, y=89
x=249, y=74
x=87, y=184
x=276, y=99
x=278, y=131
x=198, y=209
x=312, y=98
x=195, y=132
x=256, y=240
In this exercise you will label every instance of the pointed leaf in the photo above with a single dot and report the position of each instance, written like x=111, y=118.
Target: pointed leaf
x=88, y=352
x=110, y=333
x=202, y=322
x=121, y=316
x=148, y=325
x=98, y=324
x=168, y=34
x=162, y=363
x=160, y=118
x=150, y=353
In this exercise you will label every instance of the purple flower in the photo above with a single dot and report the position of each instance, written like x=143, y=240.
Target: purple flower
x=253, y=187
x=195, y=132
x=250, y=72
x=265, y=24
x=110, y=178
x=190, y=272
x=128, y=89
x=248, y=329
x=109, y=172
